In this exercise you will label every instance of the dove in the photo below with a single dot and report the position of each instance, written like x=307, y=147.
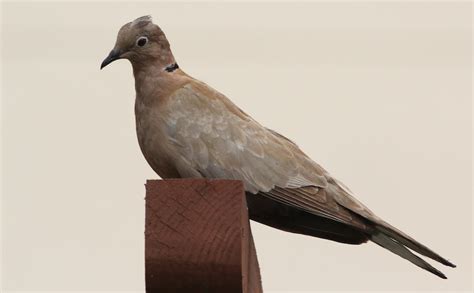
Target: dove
x=187, y=129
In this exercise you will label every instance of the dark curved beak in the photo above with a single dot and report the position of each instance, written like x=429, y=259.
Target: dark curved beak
x=113, y=55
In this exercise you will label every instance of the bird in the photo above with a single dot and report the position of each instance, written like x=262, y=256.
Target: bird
x=187, y=129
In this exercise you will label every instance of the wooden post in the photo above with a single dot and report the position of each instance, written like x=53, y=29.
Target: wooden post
x=198, y=238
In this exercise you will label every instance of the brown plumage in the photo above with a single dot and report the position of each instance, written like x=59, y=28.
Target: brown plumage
x=187, y=129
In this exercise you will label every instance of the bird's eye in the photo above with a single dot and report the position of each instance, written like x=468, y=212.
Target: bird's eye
x=142, y=41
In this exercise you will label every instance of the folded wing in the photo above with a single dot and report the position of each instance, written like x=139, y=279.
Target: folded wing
x=215, y=139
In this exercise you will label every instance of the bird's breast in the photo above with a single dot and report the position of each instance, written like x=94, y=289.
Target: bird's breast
x=153, y=140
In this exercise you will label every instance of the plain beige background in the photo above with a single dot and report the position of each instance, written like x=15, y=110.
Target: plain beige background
x=378, y=93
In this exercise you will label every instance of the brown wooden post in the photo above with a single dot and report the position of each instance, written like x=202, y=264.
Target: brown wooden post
x=198, y=237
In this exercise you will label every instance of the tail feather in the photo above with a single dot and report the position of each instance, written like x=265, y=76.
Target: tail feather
x=411, y=243
x=394, y=246
x=386, y=235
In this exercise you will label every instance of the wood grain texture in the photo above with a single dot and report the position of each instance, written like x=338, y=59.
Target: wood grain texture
x=198, y=237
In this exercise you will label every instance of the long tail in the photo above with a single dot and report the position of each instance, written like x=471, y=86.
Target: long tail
x=398, y=242
x=388, y=236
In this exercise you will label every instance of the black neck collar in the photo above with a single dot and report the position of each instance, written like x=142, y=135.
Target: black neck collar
x=172, y=67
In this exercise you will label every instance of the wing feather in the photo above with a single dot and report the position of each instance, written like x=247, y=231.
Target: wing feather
x=226, y=143
x=219, y=142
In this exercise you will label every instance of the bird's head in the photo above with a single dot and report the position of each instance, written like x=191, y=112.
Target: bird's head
x=143, y=43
